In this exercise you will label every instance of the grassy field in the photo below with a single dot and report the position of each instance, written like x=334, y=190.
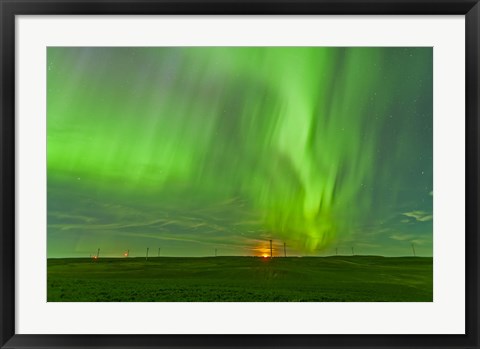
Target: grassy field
x=241, y=279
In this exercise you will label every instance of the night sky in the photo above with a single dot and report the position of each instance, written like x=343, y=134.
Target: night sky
x=200, y=148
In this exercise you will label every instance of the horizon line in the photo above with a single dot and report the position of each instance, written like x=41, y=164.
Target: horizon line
x=238, y=256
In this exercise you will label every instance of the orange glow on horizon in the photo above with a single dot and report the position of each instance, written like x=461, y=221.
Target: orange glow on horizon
x=262, y=250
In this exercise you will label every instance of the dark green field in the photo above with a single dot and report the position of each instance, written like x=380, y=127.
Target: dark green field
x=241, y=279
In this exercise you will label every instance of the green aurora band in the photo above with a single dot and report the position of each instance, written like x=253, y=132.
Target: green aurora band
x=203, y=147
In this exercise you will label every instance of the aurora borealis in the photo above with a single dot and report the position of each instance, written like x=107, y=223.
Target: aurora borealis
x=192, y=149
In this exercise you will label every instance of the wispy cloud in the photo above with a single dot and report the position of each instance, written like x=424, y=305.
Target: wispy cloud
x=402, y=237
x=419, y=241
x=420, y=216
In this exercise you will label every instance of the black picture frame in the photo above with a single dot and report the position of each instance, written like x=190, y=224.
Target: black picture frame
x=10, y=8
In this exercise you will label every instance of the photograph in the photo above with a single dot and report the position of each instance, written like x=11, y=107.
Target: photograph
x=239, y=174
